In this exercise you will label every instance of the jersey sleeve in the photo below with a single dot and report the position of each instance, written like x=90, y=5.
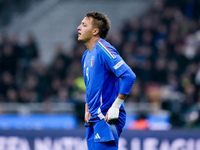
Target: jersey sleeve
x=112, y=60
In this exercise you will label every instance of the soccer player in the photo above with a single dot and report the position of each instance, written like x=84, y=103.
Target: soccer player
x=108, y=81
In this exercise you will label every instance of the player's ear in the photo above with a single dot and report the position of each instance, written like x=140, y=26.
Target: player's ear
x=95, y=31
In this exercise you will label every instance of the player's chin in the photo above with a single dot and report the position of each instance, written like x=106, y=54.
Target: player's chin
x=79, y=39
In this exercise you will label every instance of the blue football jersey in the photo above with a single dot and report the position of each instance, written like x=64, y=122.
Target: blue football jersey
x=102, y=67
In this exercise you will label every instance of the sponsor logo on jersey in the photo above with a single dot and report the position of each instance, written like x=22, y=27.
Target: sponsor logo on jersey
x=97, y=136
x=118, y=64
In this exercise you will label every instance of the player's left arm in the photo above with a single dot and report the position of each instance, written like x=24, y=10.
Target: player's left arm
x=127, y=81
x=115, y=64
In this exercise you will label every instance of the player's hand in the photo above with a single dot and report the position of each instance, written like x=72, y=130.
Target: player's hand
x=112, y=114
x=87, y=117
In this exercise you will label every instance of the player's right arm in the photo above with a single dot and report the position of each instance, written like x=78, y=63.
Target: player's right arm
x=87, y=114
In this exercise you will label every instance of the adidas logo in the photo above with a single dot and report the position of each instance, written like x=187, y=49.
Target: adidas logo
x=97, y=136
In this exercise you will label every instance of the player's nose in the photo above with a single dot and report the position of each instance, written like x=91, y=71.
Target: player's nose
x=79, y=27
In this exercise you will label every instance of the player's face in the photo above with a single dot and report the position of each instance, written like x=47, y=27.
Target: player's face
x=85, y=30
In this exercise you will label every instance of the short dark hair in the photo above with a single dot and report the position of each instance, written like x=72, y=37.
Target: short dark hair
x=100, y=21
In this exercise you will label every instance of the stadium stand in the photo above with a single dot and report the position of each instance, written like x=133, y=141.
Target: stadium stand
x=162, y=47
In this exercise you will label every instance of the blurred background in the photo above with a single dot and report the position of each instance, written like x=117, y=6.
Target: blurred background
x=41, y=83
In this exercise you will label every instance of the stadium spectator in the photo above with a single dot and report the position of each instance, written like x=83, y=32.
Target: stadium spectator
x=162, y=47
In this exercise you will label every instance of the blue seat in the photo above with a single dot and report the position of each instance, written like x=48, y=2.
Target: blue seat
x=39, y=121
x=158, y=122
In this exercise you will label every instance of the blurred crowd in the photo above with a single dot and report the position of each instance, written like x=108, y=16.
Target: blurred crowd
x=24, y=78
x=162, y=48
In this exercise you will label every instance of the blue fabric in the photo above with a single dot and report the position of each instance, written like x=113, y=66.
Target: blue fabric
x=128, y=79
x=104, y=72
x=102, y=67
x=105, y=134
x=105, y=146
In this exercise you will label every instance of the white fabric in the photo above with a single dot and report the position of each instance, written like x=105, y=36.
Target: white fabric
x=113, y=112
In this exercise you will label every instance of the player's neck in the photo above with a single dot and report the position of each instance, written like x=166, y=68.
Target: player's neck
x=90, y=44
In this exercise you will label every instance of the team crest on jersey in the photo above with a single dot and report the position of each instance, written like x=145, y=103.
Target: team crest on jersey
x=92, y=61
